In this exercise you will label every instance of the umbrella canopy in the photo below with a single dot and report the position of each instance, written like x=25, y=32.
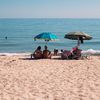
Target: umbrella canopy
x=80, y=36
x=76, y=35
x=47, y=36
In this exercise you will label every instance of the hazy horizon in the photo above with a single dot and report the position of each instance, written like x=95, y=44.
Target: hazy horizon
x=50, y=9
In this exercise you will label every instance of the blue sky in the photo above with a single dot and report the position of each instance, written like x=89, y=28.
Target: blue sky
x=49, y=8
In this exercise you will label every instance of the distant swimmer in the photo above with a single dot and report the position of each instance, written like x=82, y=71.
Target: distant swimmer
x=6, y=37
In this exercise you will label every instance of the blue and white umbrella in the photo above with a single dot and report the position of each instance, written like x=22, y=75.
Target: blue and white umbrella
x=47, y=36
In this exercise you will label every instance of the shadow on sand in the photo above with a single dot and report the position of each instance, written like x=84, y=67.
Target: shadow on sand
x=28, y=59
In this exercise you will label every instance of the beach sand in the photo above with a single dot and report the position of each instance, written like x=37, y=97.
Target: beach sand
x=49, y=79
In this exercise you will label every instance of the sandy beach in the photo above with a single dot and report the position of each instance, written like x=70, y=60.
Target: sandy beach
x=49, y=79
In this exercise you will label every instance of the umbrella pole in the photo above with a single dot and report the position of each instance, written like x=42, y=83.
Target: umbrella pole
x=78, y=42
x=46, y=42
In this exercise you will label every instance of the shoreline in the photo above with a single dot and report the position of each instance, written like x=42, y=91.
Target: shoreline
x=89, y=52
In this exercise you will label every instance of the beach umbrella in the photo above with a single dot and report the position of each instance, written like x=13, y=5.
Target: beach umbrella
x=80, y=36
x=47, y=36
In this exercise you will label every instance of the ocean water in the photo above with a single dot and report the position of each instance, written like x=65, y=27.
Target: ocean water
x=20, y=34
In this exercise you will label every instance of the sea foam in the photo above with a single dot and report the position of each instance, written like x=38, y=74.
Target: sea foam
x=13, y=54
x=91, y=51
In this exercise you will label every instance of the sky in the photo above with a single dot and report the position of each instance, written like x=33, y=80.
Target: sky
x=49, y=8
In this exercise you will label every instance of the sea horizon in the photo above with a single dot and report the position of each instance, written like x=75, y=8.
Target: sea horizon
x=49, y=18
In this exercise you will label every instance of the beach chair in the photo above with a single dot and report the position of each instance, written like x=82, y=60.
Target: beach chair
x=76, y=54
x=66, y=54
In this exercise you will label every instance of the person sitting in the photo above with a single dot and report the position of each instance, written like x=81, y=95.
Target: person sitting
x=66, y=54
x=55, y=52
x=37, y=53
x=46, y=53
x=76, y=53
x=61, y=50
